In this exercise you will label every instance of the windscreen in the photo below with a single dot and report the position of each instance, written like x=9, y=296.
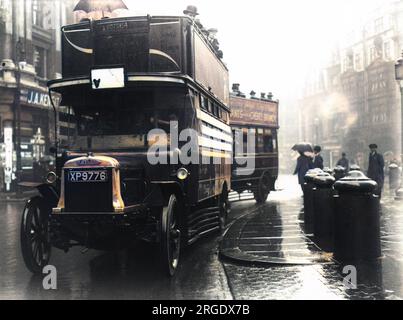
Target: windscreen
x=121, y=119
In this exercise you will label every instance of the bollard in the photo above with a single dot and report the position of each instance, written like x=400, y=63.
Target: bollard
x=357, y=219
x=308, y=196
x=339, y=172
x=394, y=175
x=355, y=167
x=323, y=202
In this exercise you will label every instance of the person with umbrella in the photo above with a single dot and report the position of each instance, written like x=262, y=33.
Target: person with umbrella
x=376, y=168
x=304, y=162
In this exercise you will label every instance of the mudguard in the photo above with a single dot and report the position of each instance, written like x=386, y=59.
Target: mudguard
x=48, y=192
x=161, y=191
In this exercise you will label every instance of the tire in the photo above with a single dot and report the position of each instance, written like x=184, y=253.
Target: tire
x=170, y=236
x=35, y=246
x=224, y=209
x=263, y=189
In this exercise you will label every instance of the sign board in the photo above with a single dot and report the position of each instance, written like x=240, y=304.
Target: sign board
x=108, y=78
x=254, y=112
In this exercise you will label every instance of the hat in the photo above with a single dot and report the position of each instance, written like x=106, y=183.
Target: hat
x=191, y=11
x=373, y=146
x=317, y=149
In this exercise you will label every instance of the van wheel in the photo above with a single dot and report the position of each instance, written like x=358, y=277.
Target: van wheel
x=263, y=189
x=35, y=245
x=170, y=244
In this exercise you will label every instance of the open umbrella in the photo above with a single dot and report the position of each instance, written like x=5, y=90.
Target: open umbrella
x=303, y=147
x=99, y=5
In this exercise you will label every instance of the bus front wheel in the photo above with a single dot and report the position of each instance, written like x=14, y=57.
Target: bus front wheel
x=35, y=246
x=170, y=236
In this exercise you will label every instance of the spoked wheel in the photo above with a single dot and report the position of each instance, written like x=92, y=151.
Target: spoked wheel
x=224, y=207
x=263, y=189
x=35, y=246
x=170, y=236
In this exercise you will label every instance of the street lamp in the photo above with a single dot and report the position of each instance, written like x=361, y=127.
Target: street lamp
x=399, y=78
x=19, y=53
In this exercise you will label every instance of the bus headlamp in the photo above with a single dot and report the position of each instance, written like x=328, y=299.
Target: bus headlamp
x=182, y=174
x=51, y=177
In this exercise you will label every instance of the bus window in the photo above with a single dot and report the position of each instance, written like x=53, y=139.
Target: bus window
x=225, y=115
x=268, y=141
x=260, y=141
x=275, y=142
x=204, y=102
x=236, y=143
x=247, y=131
x=216, y=110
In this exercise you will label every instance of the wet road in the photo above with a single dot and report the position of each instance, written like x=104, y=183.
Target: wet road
x=134, y=274
x=112, y=275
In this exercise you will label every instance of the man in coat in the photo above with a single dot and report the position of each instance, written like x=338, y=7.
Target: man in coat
x=304, y=164
x=376, y=167
x=343, y=162
x=317, y=159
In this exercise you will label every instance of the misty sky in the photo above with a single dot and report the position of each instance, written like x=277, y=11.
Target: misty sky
x=270, y=44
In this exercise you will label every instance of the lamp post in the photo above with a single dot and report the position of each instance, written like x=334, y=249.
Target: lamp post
x=19, y=53
x=399, y=78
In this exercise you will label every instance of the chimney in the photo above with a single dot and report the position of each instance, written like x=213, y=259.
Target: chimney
x=263, y=96
x=270, y=96
x=252, y=94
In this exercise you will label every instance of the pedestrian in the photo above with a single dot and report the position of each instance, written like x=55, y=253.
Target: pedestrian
x=343, y=162
x=317, y=159
x=376, y=168
x=304, y=164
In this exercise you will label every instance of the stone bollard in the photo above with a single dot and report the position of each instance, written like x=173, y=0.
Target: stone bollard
x=323, y=202
x=339, y=172
x=308, y=196
x=357, y=219
x=355, y=167
x=394, y=176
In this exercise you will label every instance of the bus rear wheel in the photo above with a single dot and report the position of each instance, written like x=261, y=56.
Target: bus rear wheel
x=170, y=244
x=263, y=189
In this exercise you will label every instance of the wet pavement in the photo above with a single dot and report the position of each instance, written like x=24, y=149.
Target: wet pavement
x=271, y=235
x=202, y=275
x=284, y=261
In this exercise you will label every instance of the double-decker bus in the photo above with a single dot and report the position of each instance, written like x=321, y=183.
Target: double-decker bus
x=256, y=118
x=130, y=86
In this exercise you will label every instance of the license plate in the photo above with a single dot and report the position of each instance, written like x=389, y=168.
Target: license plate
x=88, y=176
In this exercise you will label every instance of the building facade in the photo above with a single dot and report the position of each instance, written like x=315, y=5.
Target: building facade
x=355, y=100
x=30, y=48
